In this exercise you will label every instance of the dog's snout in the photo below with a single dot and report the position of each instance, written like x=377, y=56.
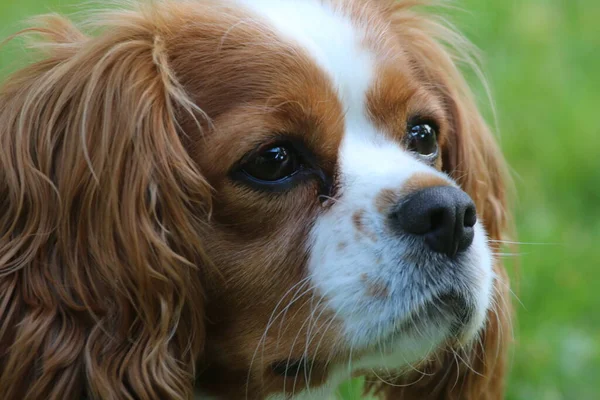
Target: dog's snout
x=443, y=215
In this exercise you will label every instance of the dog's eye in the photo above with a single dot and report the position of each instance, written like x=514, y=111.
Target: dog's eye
x=273, y=164
x=422, y=139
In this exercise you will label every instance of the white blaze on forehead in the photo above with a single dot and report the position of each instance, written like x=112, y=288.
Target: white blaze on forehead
x=336, y=44
x=330, y=38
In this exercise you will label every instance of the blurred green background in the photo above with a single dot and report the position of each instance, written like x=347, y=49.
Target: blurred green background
x=542, y=58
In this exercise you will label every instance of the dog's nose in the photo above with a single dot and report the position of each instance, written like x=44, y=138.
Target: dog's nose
x=443, y=215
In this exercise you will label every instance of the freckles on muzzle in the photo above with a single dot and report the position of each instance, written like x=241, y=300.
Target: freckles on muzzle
x=397, y=260
x=375, y=288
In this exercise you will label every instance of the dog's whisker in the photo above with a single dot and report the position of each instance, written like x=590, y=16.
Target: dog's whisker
x=298, y=286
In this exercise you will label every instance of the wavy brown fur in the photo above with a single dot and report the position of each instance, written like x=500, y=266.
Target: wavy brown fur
x=98, y=278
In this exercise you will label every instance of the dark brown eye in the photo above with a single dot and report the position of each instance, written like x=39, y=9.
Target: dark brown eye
x=422, y=139
x=273, y=164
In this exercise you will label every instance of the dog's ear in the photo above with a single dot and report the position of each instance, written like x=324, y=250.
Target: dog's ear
x=471, y=156
x=100, y=261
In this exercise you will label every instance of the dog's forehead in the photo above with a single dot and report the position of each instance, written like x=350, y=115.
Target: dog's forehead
x=330, y=71
x=349, y=42
x=333, y=40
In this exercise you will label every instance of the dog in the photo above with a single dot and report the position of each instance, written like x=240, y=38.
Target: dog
x=249, y=199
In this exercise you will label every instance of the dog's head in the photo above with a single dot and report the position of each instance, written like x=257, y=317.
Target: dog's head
x=264, y=196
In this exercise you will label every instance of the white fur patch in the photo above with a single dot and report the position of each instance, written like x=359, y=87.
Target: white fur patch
x=329, y=37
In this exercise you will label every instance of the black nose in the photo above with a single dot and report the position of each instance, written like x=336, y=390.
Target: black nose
x=443, y=215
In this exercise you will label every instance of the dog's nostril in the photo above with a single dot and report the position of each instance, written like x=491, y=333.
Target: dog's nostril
x=470, y=217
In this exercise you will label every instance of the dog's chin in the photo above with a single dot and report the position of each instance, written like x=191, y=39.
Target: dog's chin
x=450, y=320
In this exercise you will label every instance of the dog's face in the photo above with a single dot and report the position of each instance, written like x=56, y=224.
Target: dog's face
x=285, y=193
x=337, y=235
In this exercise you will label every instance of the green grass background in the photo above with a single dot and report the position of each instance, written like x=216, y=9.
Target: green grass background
x=543, y=62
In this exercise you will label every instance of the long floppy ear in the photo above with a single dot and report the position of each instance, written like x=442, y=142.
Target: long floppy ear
x=471, y=156
x=100, y=285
